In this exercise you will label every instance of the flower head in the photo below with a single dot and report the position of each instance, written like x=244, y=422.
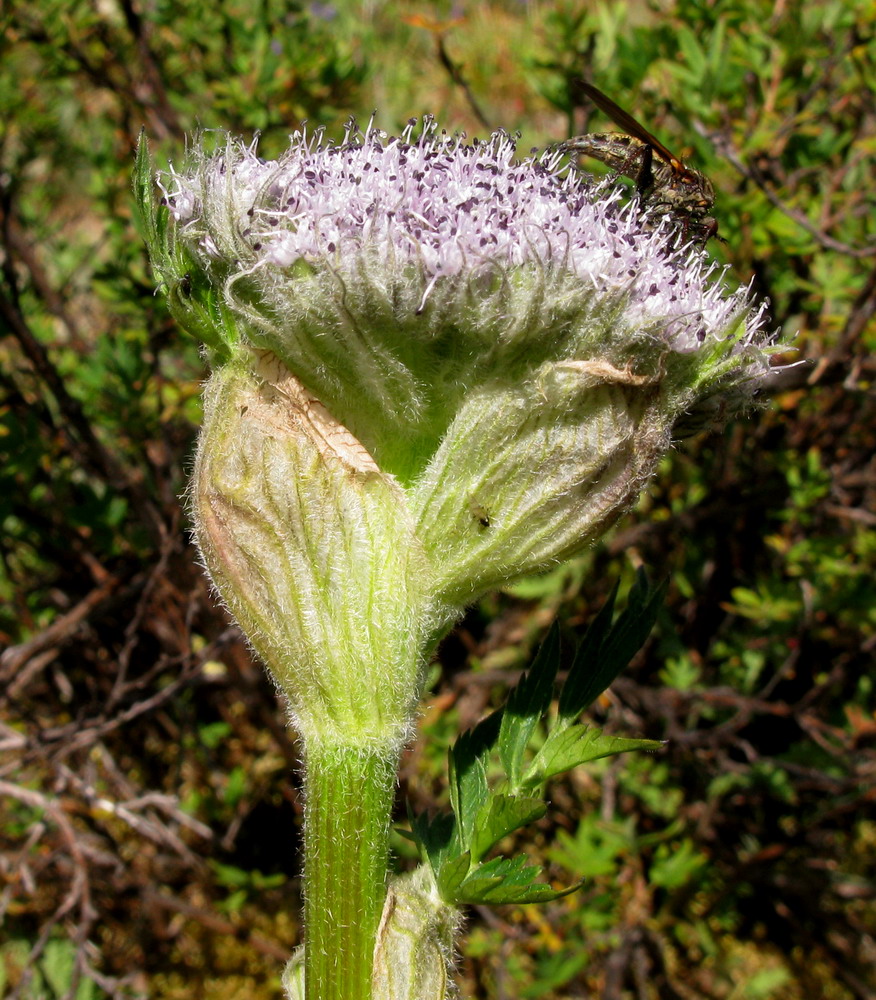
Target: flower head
x=394, y=274
x=503, y=347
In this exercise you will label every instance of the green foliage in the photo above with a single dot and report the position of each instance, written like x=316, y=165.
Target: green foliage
x=595, y=848
x=677, y=865
x=743, y=87
x=481, y=814
x=244, y=885
x=51, y=976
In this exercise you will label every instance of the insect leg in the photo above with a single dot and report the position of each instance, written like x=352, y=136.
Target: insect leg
x=644, y=177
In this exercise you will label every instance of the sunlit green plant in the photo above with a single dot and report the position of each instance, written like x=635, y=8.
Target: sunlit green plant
x=436, y=369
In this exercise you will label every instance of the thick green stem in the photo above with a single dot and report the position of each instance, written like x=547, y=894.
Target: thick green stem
x=348, y=805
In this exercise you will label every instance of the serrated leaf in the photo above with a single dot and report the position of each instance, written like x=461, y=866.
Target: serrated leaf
x=500, y=816
x=451, y=876
x=635, y=623
x=476, y=743
x=143, y=194
x=527, y=703
x=568, y=748
x=468, y=776
x=434, y=837
x=505, y=880
x=601, y=658
x=575, y=695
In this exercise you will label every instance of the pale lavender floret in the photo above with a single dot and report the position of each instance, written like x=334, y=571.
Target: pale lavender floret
x=451, y=208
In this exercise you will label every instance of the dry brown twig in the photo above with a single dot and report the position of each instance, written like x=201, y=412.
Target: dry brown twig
x=725, y=147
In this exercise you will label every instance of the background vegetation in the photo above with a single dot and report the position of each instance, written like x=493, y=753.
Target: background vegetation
x=148, y=799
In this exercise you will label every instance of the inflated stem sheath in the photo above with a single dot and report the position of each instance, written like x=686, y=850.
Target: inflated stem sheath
x=313, y=549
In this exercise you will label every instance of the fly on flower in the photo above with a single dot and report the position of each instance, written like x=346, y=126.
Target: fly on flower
x=663, y=182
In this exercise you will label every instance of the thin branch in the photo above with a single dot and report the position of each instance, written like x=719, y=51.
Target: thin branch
x=725, y=147
x=62, y=630
x=456, y=75
x=79, y=893
x=216, y=923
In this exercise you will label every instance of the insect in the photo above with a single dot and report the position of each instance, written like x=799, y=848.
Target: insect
x=663, y=182
x=480, y=514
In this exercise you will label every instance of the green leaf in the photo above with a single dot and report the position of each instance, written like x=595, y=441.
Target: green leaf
x=527, y=703
x=568, y=748
x=211, y=734
x=234, y=903
x=144, y=195
x=765, y=983
x=634, y=624
x=57, y=964
x=505, y=880
x=676, y=865
x=556, y=970
x=261, y=881
x=468, y=776
x=605, y=653
x=500, y=816
x=576, y=694
x=481, y=816
x=451, y=876
x=434, y=837
x=235, y=786
x=230, y=876
x=596, y=848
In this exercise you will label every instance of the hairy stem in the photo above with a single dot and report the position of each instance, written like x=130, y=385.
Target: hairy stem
x=349, y=795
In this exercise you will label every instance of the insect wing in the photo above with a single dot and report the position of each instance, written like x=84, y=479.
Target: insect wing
x=631, y=126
